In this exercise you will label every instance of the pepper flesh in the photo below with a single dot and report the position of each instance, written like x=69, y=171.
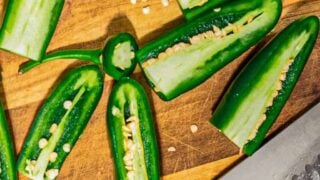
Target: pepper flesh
x=132, y=133
x=60, y=122
x=191, y=53
x=256, y=97
x=29, y=25
x=7, y=160
x=194, y=8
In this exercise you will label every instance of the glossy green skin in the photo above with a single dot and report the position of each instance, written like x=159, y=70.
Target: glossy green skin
x=232, y=12
x=86, y=79
x=249, y=78
x=7, y=160
x=122, y=93
x=108, y=53
x=207, y=7
x=29, y=25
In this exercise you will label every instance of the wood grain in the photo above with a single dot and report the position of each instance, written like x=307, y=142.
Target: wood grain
x=86, y=24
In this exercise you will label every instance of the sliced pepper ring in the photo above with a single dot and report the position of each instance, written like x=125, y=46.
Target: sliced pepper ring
x=119, y=56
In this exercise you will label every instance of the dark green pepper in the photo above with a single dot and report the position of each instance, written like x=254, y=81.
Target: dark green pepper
x=29, y=25
x=194, y=8
x=118, y=56
x=256, y=97
x=187, y=56
x=7, y=161
x=60, y=122
x=132, y=133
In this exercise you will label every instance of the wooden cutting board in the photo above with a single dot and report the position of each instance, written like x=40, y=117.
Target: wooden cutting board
x=202, y=155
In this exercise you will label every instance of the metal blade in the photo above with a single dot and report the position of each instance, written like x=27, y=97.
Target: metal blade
x=289, y=155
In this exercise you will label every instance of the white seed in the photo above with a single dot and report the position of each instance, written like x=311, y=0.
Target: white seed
x=130, y=175
x=42, y=143
x=115, y=111
x=133, y=1
x=279, y=86
x=224, y=33
x=53, y=157
x=171, y=149
x=53, y=128
x=132, y=119
x=128, y=163
x=66, y=148
x=131, y=126
x=217, y=9
x=282, y=77
x=263, y=117
x=216, y=28
x=250, y=19
x=162, y=55
x=146, y=10
x=165, y=3
x=126, y=134
x=132, y=55
x=52, y=173
x=67, y=105
x=194, y=128
x=126, y=129
x=129, y=168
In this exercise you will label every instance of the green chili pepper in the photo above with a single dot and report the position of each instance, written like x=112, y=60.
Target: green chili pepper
x=7, y=161
x=187, y=56
x=118, y=56
x=256, y=97
x=131, y=129
x=60, y=122
x=194, y=8
x=29, y=25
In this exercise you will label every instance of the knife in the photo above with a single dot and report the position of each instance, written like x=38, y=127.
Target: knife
x=292, y=154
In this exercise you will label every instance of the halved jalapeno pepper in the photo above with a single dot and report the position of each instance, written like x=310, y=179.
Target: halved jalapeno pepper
x=256, y=97
x=7, y=160
x=60, y=122
x=29, y=25
x=188, y=55
x=132, y=133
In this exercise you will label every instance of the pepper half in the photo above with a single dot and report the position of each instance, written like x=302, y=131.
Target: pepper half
x=194, y=8
x=132, y=133
x=7, y=160
x=256, y=97
x=29, y=25
x=118, y=56
x=60, y=122
x=187, y=56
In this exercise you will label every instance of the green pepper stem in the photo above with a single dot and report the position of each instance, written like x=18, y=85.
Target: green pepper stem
x=92, y=55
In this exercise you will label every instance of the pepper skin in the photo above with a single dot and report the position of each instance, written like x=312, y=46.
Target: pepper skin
x=60, y=122
x=7, y=160
x=132, y=132
x=188, y=55
x=29, y=25
x=256, y=97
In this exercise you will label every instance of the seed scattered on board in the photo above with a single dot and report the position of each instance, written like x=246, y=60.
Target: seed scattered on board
x=172, y=149
x=194, y=128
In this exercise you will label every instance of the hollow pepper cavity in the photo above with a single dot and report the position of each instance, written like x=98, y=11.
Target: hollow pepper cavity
x=257, y=95
x=132, y=132
x=28, y=26
x=188, y=55
x=60, y=122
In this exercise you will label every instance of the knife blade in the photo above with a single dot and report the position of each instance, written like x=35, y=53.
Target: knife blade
x=292, y=154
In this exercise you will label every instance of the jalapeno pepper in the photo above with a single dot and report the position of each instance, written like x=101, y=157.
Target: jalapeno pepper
x=132, y=133
x=60, y=122
x=187, y=56
x=194, y=8
x=256, y=97
x=29, y=25
x=7, y=161
x=118, y=56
